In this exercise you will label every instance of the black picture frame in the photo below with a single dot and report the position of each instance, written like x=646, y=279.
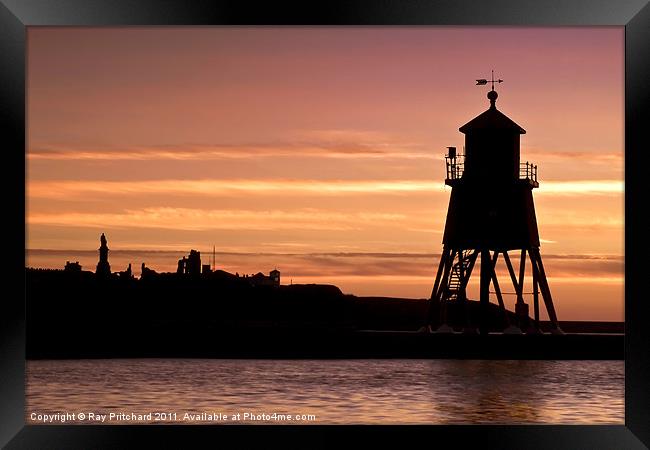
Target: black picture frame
x=16, y=15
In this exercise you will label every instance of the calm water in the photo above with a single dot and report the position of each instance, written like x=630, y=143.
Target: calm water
x=333, y=391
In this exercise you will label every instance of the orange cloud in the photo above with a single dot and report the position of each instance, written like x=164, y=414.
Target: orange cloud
x=196, y=219
x=75, y=189
x=307, y=143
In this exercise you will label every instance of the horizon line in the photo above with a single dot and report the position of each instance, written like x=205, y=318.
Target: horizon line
x=341, y=254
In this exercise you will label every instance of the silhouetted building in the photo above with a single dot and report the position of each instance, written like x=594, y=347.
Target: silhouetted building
x=182, y=264
x=259, y=279
x=275, y=277
x=205, y=269
x=491, y=212
x=190, y=265
x=127, y=274
x=103, y=267
x=193, y=266
x=147, y=273
x=72, y=266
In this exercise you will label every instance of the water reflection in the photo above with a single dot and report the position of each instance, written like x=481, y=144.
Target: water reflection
x=336, y=391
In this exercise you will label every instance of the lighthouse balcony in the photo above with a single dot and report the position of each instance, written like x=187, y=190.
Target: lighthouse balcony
x=528, y=174
x=455, y=168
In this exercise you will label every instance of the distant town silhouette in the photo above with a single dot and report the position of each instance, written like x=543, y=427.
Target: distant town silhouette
x=188, y=266
x=203, y=311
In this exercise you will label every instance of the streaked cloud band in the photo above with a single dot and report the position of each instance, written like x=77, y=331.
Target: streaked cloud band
x=74, y=189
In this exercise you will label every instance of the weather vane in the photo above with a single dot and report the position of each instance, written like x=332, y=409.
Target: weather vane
x=483, y=81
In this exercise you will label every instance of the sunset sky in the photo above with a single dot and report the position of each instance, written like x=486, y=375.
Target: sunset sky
x=319, y=151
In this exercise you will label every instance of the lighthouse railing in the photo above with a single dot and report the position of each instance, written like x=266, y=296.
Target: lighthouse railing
x=528, y=171
x=455, y=166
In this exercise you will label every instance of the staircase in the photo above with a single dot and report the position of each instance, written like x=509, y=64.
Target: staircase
x=460, y=267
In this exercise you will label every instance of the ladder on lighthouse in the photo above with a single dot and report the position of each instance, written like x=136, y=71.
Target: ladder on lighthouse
x=459, y=275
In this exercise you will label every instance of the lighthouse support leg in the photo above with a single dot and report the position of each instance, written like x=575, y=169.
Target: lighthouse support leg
x=497, y=289
x=433, y=304
x=522, y=271
x=468, y=273
x=463, y=287
x=472, y=261
x=538, y=266
x=486, y=270
x=536, y=298
x=521, y=308
x=513, y=277
x=443, y=292
x=449, y=262
x=441, y=266
x=436, y=305
x=511, y=271
x=460, y=294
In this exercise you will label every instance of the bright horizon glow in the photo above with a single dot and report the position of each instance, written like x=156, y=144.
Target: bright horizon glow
x=68, y=188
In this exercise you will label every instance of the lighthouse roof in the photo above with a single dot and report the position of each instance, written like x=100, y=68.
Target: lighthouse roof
x=491, y=119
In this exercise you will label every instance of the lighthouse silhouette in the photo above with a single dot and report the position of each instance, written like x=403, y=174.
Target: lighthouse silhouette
x=491, y=214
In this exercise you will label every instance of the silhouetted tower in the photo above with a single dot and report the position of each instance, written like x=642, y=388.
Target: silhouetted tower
x=182, y=266
x=491, y=212
x=193, y=264
x=103, y=267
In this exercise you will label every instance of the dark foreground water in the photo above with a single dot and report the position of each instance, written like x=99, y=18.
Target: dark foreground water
x=199, y=391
